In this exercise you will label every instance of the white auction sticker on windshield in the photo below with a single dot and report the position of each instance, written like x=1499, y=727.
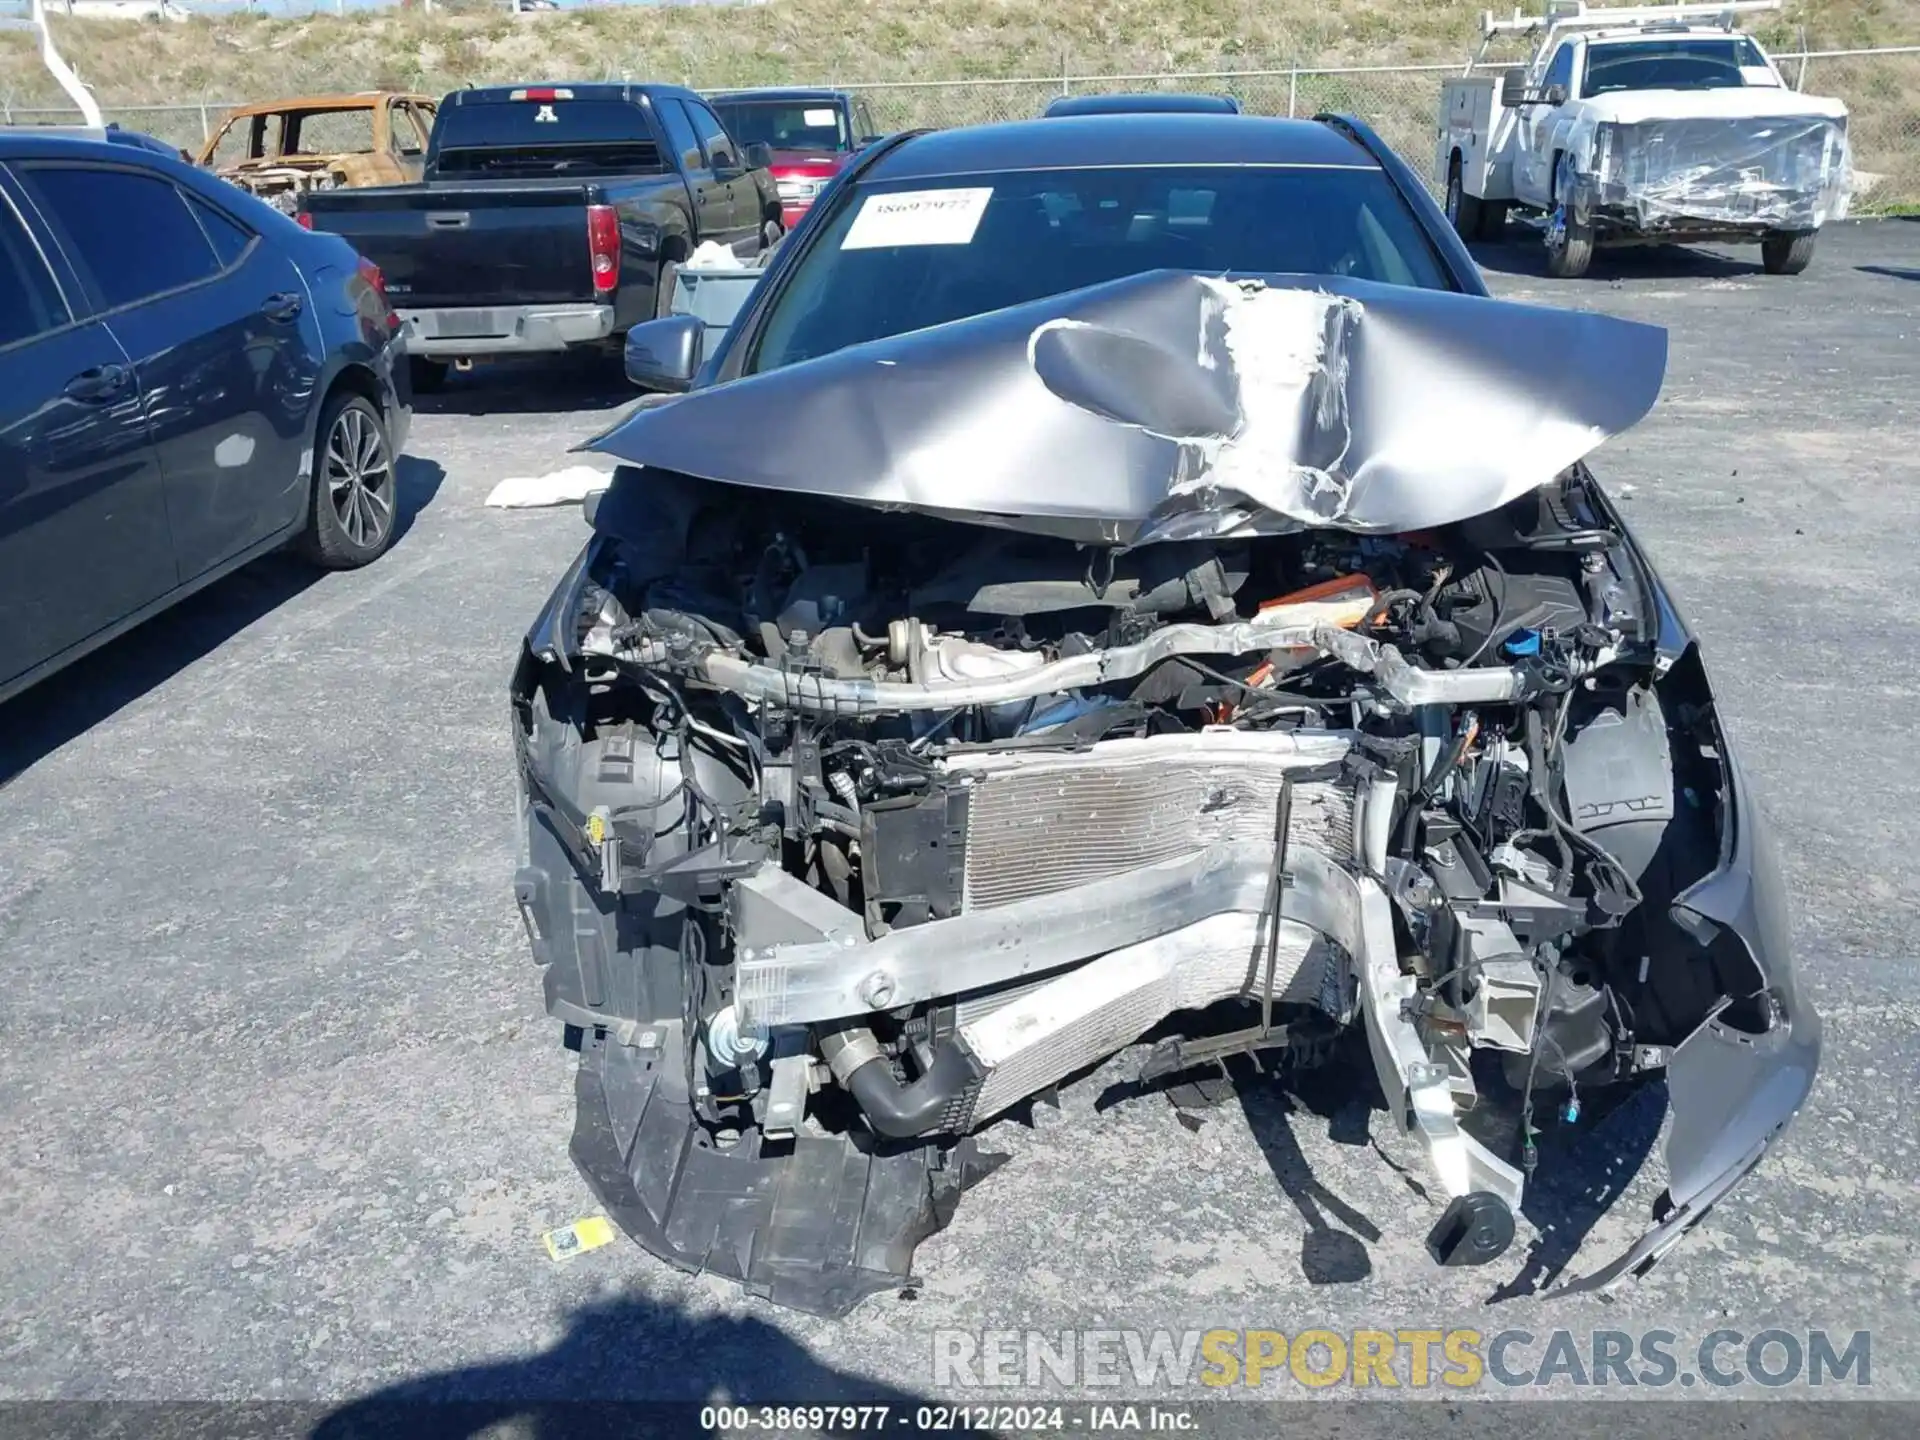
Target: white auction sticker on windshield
x=918, y=217
x=1758, y=75
x=818, y=117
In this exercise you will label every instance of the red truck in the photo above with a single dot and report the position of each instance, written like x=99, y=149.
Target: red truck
x=813, y=135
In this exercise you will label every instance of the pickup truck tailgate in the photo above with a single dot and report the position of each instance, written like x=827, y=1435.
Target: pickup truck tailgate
x=470, y=245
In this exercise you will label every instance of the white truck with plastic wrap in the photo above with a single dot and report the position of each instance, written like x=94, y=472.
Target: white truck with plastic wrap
x=1656, y=124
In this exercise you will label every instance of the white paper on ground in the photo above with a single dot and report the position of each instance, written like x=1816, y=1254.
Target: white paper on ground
x=559, y=487
x=918, y=217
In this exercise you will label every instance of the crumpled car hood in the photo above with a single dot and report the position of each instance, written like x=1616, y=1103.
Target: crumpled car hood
x=1173, y=406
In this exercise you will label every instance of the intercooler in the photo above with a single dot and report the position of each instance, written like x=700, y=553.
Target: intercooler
x=1038, y=824
x=1043, y=824
x=1072, y=899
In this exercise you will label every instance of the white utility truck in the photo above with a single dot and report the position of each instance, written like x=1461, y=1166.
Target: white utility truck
x=1648, y=125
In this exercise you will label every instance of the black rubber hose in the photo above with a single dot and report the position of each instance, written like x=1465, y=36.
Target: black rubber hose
x=896, y=1110
x=1443, y=766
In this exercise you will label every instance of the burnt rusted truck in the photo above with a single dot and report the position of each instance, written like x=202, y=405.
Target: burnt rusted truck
x=283, y=149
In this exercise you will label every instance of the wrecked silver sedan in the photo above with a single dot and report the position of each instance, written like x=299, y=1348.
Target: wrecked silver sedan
x=1226, y=661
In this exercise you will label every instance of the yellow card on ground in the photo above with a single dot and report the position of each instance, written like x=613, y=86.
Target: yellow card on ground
x=579, y=1237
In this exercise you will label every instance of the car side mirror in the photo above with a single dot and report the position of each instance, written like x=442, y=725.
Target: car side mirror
x=1513, y=89
x=866, y=140
x=757, y=155
x=665, y=354
x=590, y=506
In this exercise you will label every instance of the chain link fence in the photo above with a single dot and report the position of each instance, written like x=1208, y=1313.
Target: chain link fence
x=1880, y=87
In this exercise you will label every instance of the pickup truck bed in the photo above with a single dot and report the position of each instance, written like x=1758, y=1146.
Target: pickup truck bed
x=477, y=269
x=547, y=217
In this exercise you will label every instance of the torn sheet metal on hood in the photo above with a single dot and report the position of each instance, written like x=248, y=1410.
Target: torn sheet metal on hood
x=1175, y=406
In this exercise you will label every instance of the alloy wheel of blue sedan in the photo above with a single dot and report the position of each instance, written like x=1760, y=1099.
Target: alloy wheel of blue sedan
x=359, y=475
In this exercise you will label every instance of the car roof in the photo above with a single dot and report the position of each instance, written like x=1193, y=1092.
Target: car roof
x=364, y=100
x=1083, y=141
x=1664, y=32
x=779, y=92
x=1149, y=103
x=580, y=90
x=26, y=145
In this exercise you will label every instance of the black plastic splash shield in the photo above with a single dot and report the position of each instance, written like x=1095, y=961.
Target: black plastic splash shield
x=818, y=1228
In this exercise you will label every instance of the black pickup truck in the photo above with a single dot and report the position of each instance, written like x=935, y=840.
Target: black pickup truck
x=548, y=216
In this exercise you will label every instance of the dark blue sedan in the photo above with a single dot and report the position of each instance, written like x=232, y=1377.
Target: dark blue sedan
x=188, y=380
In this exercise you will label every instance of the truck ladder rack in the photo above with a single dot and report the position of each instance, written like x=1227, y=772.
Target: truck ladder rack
x=1577, y=15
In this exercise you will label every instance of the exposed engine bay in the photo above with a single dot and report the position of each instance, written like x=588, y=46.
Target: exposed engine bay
x=851, y=827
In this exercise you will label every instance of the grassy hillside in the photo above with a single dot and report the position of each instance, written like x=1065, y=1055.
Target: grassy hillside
x=242, y=58
x=245, y=57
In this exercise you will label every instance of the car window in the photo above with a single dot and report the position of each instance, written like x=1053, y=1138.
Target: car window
x=536, y=137
x=978, y=243
x=331, y=132
x=233, y=144
x=863, y=121
x=786, y=124
x=92, y=207
x=1680, y=64
x=30, y=303
x=409, y=136
x=1560, y=71
x=713, y=137
x=680, y=134
x=227, y=235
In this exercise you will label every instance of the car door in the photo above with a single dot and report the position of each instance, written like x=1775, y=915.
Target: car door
x=712, y=200
x=225, y=349
x=1538, y=125
x=730, y=171
x=83, y=522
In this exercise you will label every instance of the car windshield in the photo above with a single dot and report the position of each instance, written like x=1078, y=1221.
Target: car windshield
x=906, y=255
x=1675, y=65
x=786, y=124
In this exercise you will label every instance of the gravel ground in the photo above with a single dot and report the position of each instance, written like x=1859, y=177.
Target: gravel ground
x=283, y=1118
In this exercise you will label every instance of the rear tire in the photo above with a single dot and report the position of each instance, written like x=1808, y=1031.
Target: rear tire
x=429, y=376
x=1784, y=254
x=354, y=501
x=1463, y=210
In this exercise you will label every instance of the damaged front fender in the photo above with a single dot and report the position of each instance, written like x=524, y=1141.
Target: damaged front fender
x=1735, y=1082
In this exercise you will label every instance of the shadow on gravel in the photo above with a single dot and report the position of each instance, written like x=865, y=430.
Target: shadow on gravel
x=552, y=384
x=1523, y=254
x=1583, y=1170
x=1893, y=272
x=1582, y=1174
x=630, y=1366
x=72, y=701
x=1329, y=1254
